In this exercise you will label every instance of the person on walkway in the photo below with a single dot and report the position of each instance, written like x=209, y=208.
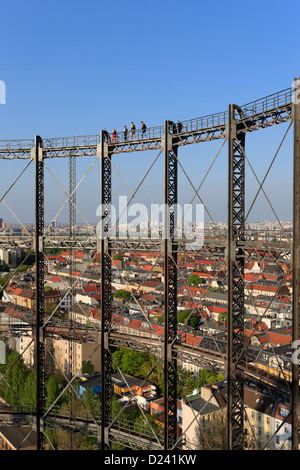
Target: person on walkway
x=106, y=135
x=114, y=135
x=179, y=127
x=125, y=132
x=144, y=127
x=132, y=130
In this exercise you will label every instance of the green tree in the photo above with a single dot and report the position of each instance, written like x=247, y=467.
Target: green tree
x=155, y=366
x=14, y=385
x=116, y=406
x=30, y=388
x=122, y=294
x=195, y=280
x=52, y=388
x=88, y=368
x=222, y=317
x=118, y=356
x=183, y=315
x=207, y=376
x=186, y=382
x=130, y=362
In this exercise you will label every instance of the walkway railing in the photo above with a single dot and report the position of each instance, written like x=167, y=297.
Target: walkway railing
x=269, y=102
x=262, y=105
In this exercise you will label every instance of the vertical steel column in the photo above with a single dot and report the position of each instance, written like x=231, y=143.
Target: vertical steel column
x=106, y=301
x=72, y=280
x=39, y=292
x=235, y=260
x=72, y=194
x=72, y=264
x=170, y=291
x=296, y=265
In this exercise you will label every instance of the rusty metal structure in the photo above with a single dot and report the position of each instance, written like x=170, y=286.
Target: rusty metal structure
x=231, y=127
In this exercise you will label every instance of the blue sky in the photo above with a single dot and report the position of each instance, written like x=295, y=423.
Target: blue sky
x=74, y=67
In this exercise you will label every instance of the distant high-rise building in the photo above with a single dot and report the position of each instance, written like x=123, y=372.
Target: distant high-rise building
x=11, y=256
x=3, y=224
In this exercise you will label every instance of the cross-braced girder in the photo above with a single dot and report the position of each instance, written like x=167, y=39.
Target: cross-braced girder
x=170, y=291
x=236, y=228
x=238, y=248
x=40, y=301
x=296, y=269
x=106, y=301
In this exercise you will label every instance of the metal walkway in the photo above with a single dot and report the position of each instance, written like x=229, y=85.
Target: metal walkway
x=264, y=112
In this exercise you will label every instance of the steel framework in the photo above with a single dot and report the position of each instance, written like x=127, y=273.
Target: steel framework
x=231, y=126
x=39, y=293
x=236, y=233
x=170, y=290
x=106, y=301
x=296, y=269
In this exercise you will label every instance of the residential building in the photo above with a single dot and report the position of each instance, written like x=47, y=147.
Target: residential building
x=267, y=419
x=269, y=423
x=26, y=298
x=81, y=352
x=14, y=316
x=125, y=387
x=203, y=415
x=157, y=410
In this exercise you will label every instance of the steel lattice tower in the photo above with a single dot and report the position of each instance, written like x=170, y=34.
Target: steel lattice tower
x=39, y=293
x=236, y=230
x=233, y=126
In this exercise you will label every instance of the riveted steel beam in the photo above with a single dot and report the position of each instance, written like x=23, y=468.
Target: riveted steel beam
x=37, y=154
x=106, y=301
x=170, y=290
x=235, y=262
x=296, y=265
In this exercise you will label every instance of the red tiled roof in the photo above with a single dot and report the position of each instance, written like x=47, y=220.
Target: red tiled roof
x=55, y=279
x=216, y=309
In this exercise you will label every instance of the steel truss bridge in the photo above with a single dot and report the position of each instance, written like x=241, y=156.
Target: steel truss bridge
x=231, y=127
